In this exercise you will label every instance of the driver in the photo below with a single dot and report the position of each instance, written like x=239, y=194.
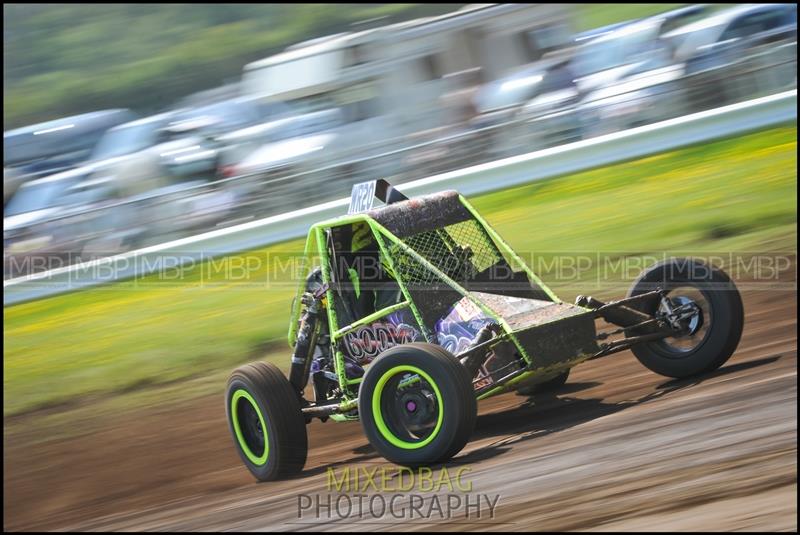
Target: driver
x=370, y=285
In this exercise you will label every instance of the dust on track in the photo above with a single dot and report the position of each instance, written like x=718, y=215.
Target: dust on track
x=619, y=448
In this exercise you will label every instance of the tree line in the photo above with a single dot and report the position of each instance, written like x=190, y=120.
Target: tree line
x=64, y=59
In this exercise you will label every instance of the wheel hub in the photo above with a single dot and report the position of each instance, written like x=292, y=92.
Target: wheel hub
x=682, y=314
x=418, y=410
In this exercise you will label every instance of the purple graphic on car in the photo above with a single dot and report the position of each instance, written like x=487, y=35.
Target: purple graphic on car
x=367, y=342
x=455, y=332
x=458, y=329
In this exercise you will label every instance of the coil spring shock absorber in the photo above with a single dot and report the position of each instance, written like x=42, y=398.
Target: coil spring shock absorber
x=307, y=333
x=303, y=349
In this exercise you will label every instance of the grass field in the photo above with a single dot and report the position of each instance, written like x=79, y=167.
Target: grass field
x=588, y=16
x=732, y=195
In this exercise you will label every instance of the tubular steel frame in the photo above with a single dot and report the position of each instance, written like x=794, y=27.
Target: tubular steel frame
x=382, y=235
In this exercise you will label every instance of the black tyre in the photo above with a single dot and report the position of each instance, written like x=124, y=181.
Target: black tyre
x=265, y=420
x=417, y=404
x=710, y=337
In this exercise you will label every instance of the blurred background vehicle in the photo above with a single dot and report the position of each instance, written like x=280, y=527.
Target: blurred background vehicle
x=704, y=73
x=383, y=90
x=398, y=100
x=713, y=41
x=41, y=149
x=142, y=178
x=758, y=38
x=603, y=64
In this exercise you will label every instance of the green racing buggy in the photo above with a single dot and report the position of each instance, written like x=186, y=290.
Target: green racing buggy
x=415, y=310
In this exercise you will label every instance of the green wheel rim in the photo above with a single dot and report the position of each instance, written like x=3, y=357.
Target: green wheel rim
x=244, y=395
x=377, y=413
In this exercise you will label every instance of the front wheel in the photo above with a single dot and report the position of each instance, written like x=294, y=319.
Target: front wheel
x=708, y=336
x=417, y=405
x=266, y=422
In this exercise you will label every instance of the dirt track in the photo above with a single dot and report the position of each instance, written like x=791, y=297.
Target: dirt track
x=620, y=448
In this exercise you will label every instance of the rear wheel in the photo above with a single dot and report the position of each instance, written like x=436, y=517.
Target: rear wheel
x=709, y=335
x=417, y=405
x=264, y=417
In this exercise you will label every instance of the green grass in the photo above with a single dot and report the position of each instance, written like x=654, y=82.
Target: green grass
x=588, y=16
x=732, y=195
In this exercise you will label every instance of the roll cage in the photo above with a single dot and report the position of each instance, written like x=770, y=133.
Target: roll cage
x=437, y=249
